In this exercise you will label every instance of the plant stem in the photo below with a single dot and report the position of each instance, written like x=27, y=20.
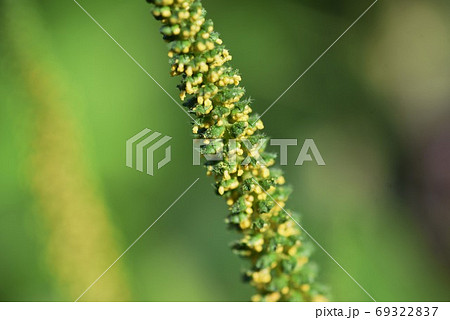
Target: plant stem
x=273, y=244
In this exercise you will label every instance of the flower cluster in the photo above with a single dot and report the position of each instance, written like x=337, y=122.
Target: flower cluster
x=271, y=241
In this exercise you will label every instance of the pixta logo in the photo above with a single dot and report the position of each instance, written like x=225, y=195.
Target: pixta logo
x=146, y=143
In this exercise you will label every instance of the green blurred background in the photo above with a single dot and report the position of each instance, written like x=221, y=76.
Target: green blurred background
x=377, y=105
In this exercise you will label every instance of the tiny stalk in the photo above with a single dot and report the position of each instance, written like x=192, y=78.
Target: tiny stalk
x=276, y=249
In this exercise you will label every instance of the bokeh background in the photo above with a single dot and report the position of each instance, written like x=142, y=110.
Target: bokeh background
x=377, y=105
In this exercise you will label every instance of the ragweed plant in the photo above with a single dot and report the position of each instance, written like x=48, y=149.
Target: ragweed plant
x=271, y=241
